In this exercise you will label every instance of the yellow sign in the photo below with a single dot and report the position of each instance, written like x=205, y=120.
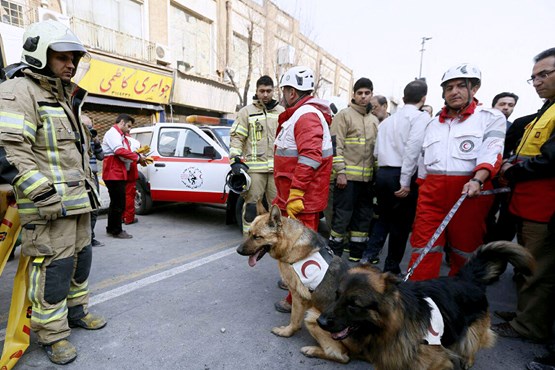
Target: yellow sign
x=110, y=79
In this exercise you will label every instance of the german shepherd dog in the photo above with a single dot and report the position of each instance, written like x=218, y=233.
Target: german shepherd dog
x=388, y=319
x=289, y=242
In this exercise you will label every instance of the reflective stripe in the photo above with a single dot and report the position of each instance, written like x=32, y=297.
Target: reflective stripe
x=355, y=141
x=258, y=165
x=17, y=121
x=52, y=149
x=46, y=316
x=338, y=159
x=74, y=202
x=357, y=234
x=359, y=239
x=309, y=162
x=437, y=248
x=78, y=291
x=242, y=131
x=46, y=111
x=336, y=237
x=327, y=153
x=358, y=170
x=450, y=173
x=500, y=134
x=283, y=152
x=34, y=280
x=234, y=152
x=465, y=255
x=30, y=181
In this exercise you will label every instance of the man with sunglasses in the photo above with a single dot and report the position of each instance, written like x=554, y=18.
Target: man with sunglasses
x=531, y=175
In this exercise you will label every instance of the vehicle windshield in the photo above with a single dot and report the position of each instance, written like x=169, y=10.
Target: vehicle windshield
x=223, y=134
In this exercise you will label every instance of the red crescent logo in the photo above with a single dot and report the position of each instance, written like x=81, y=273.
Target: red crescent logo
x=308, y=263
x=432, y=331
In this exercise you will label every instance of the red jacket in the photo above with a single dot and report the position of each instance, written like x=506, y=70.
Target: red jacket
x=303, y=154
x=115, y=148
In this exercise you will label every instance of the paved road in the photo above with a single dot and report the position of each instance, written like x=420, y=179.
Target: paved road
x=177, y=296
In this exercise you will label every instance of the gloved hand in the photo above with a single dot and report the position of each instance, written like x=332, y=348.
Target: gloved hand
x=144, y=149
x=52, y=211
x=149, y=160
x=295, y=203
x=237, y=165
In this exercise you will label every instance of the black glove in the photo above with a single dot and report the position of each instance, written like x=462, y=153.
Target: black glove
x=237, y=165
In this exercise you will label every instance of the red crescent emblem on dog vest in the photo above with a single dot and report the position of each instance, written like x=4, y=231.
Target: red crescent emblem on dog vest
x=308, y=263
x=432, y=331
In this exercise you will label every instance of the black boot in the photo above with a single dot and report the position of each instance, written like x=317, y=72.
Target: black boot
x=391, y=266
x=336, y=247
x=355, y=251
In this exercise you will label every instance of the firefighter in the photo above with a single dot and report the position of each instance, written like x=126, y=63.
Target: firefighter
x=252, y=141
x=355, y=130
x=44, y=139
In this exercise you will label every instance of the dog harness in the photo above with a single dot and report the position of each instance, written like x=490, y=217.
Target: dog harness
x=313, y=268
x=436, y=328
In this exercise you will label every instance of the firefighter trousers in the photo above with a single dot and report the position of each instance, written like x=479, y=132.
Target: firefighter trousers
x=262, y=184
x=352, y=211
x=61, y=256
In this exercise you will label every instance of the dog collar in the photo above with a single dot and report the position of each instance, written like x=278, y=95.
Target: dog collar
x=437, y=326
x=312, y=269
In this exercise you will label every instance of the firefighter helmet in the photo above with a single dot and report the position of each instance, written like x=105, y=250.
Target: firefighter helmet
x=238, y=183
x=41, y=36
x=300, y=78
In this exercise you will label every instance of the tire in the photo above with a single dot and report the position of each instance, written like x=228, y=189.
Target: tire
x=143, y=201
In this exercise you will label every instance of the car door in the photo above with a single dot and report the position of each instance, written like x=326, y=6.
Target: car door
x=187, y=169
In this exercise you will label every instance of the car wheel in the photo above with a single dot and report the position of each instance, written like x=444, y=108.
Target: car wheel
x=143, y=201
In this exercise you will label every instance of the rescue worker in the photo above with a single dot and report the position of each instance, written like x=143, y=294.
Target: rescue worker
x=462, y=151
x=44, y=139
x=303, y=153
x=354, y=129
x=251, y=147
x=531, y=174
x=115, y=170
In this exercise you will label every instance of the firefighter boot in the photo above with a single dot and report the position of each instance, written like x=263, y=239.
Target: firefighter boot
x=61, y=352
x=91, y=321
x=355, y=251
x=336, y=246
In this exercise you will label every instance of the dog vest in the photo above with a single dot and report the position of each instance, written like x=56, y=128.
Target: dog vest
x=313, y=268
x=436, y=328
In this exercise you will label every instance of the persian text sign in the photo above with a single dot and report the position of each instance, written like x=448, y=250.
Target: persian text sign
x=110, y=79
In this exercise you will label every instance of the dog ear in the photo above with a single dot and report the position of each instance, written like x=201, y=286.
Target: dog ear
x=391, y=281
x=260, y=209
x=275, y=216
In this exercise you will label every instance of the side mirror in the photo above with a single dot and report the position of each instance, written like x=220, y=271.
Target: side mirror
x=209, y=152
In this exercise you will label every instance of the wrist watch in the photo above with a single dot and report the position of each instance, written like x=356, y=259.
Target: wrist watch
x=479, y=182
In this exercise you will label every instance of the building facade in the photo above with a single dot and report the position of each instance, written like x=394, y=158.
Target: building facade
x=162, y=60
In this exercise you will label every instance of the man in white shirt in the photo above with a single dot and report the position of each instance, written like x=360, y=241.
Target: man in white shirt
x=398, y=146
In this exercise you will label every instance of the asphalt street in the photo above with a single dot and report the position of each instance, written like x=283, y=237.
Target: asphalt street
x=178, y=296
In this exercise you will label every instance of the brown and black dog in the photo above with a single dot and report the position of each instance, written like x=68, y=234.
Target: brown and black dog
x=392, y=323
x=298, y=248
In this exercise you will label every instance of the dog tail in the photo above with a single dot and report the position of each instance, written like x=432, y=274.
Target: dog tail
x=490, y=261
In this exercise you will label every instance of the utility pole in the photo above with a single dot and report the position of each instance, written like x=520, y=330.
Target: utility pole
x=424, y=39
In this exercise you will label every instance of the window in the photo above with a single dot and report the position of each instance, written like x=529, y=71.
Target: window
x=12, y=13
x=167, y=142
x=191, y=41
x=120, y=15
x=178, y=142
x=194, y=145
x=143, y=137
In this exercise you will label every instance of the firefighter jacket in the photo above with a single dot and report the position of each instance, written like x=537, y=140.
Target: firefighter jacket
x=45, y=141
x=533, y=173
x=303, y=154
x=116, y=152
x=355, y=132
x=253, y=134
x=462, y=145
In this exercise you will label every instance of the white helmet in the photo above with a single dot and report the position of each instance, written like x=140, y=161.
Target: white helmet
x=464, y=70
x=300, y=78
x=238, y=183
x=49, y=34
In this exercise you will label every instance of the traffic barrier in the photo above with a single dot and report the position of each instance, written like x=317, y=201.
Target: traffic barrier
x=19, y=320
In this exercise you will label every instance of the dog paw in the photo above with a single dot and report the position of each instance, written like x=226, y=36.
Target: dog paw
x=283, y=331
x=318, y=352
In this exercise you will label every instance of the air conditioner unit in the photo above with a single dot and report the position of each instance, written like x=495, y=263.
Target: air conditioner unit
x=229, y=74
x=163, y=54
x=46, y=14
x=286, y=55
